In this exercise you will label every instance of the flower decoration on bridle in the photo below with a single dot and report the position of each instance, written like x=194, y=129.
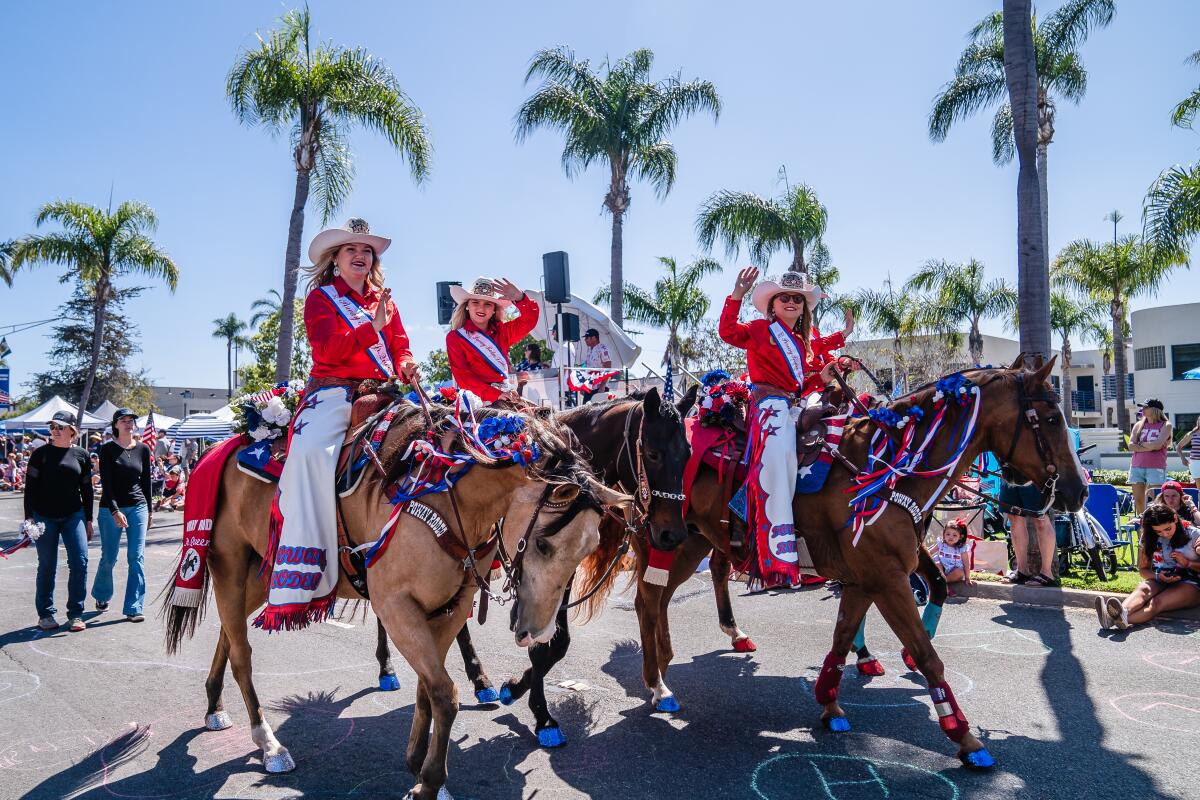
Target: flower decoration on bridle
x=889, y=418
x=714, y=377
x=506, y=438
x=957, y=387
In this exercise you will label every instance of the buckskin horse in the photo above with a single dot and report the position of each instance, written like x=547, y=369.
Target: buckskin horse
x=422, y=596
x=1017, y=417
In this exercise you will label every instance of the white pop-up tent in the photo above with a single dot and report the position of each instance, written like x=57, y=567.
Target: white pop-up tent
x=105, y=410
x=39, y=419
x=624, y=350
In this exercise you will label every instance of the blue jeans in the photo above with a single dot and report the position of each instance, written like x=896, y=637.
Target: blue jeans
x=74, y=537
x=135, y=550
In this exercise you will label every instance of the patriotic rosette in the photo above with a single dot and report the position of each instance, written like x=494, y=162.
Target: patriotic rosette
x=723, y=403
x=267, y=414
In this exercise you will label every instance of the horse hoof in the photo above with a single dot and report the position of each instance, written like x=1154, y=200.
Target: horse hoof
x=506, y=697
x=551, y=737
x=744, y=645
x=388, y=683
x=908, y=660
x=980, y=759
x=667, y=704
x=871, y=667
x=836, y=724
x=218, y=721
x=280, y=762
x=489, y=695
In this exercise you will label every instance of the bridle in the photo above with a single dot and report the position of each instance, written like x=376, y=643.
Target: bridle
x=1033, y=421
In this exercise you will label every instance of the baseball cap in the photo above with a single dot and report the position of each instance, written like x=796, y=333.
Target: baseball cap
x=1153, y=403
x=123, y=412
x=592, y=332
x=64, y=418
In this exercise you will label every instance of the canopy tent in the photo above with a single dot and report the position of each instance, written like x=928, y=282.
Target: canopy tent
x=39, y=419
x=161, y=422
x=201, y=426
x=105, y=410
x=624, y=350
x=224, y=413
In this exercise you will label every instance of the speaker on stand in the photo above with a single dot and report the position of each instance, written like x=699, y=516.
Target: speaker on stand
x=445, y=303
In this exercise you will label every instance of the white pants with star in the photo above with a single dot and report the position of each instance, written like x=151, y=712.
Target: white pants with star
x=781, y=554
x=306, y=564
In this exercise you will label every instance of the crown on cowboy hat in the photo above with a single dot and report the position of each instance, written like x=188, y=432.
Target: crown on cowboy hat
x=794, y=282
x=481, y=289
x=356, y=229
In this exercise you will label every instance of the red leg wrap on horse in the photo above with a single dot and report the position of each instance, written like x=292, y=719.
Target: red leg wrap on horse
x=826, y=690
x=950, y=716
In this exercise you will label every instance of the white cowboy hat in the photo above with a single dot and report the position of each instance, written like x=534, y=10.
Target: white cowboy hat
x=792, y=282
x=355, y=230
x=481, y=289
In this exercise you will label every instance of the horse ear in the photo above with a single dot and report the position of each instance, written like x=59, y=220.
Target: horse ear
x=651, y=401
x=1043, y=371
x=1039, y=361
x=610, y=498
x=1018, y=362
x=689, y=400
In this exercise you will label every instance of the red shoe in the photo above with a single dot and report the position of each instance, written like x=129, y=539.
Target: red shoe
x=870, y=666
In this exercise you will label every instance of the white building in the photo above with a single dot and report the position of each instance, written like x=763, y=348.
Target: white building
x=1166, y=344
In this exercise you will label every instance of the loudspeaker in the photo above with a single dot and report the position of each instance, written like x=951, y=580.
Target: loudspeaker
x=557, y=272
x=570, y=327
x=445, y=303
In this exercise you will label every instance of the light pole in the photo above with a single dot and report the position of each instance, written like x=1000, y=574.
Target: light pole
x=186, y=394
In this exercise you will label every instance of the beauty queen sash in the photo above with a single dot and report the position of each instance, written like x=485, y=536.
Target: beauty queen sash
x=791, y=353
x=486, y=346
x=354, y=315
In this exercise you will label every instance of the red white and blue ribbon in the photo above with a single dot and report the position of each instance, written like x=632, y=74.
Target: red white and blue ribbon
x=584, y=379
x=791, y=353
x=354, y=315
x=487, y=347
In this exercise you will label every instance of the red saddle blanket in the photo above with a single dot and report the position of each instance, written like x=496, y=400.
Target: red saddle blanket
x=717, y=446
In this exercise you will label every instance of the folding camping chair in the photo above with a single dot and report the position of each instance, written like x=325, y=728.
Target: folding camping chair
x=1104, y=504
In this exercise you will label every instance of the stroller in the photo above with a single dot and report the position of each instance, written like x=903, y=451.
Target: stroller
x=1083, y=543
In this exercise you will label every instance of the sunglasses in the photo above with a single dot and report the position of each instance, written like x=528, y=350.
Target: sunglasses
x=55, y=426
x=791, y=298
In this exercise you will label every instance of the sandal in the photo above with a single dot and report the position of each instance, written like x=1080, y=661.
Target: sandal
x=1041, y=581
x=1016, y=577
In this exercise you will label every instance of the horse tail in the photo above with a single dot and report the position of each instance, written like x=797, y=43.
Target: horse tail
x=181, y=621
x=597, y=577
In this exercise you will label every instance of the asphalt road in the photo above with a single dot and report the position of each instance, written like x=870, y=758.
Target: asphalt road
x=1067, y=711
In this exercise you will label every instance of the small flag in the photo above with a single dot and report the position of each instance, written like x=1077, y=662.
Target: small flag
x=5, y=399
x=4, y=348
x=668, y=394
x=150, y=435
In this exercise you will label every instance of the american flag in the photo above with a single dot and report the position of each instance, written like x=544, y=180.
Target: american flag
x=149, y=435
x=5, y=399
x=668, y=394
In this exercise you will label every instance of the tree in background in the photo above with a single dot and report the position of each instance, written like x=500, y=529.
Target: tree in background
x=97, y=247
x=516, y=353
x=1070, y=319
x=613, y=115
x=960, y=294
x=676, y=302
x=1171, y=211
x=6, y=252
x=794, y=222
x=264, y=307
x=69, y=355
x=436, y=367
x=703, y=349
x=979, y=80
x=263, y=343
x=890, y=313
x=1115, y=274
x=318, y=95
x=230, y=329
x=826, y=275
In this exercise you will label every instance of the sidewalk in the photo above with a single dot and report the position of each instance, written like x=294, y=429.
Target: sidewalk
x=1049, y=597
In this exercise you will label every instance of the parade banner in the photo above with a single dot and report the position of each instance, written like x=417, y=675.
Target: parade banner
x=5, y=397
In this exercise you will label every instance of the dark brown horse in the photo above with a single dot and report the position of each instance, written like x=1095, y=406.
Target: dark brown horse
x=420, y=594
x=636, y=445
x=1018, y=419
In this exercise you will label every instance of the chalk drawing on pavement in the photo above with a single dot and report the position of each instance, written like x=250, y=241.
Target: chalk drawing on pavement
x=843, y=777
x=1166, y=710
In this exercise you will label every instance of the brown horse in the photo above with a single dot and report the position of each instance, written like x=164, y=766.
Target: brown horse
x=421, y=595
x=1018, y=419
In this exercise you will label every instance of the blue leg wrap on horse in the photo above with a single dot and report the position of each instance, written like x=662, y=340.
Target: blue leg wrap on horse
x=860, y=638
x=389, y=683
x=551, y=737
x=668, y=704
x=506, y=697
x=980, y=759
x=487, y=695
x=930, y=617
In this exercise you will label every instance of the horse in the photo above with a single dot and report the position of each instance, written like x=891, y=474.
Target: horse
x=1018, y=418
x=420, y=594
x=636, y=444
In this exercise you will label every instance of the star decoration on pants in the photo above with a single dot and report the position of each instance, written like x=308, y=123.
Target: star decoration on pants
x=298, y=428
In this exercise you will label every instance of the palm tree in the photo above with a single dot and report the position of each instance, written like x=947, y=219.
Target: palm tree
x=961, y=295
x=1115, y=273
x=319, y=95
x=795, y=221
x=6, y=252
x=1057, y=72
x=890, y=313
x=97, y=246
x=676, y=302
x=1070, y=318
x=613, y=115
x=230, y=329
x=824, y=274
x=1171, y=211
x=265, y=307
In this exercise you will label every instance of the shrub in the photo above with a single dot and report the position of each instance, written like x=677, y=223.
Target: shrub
x=1117, y=477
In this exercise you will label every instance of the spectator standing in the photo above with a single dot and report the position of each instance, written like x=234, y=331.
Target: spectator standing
x=58, y=496
x=124, y=508
x=597, y=357
x=1189, y=451
x=1148, y=441
x=1016, y=490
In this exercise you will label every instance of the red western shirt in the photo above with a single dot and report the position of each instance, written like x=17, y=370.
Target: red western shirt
x=764, y=361
x=339, y=351
x=474, y=372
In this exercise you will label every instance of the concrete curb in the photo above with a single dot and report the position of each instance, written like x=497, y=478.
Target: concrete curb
x=1050, y=597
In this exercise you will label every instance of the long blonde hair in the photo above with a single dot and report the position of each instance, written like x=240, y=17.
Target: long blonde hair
x=461, y=313
x=323, y=271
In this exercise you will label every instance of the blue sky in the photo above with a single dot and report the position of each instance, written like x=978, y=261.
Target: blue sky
x=131, y=96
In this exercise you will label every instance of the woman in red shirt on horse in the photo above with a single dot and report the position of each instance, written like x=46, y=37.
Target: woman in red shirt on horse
x=478, y=342
x=786, y=363
x=355, y=334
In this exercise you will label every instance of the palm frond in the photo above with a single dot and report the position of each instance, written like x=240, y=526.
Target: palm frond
x=559, y=65
x=1070, y=24
x=1184, y=114
x=6, y=252
x=1171, y=210
x=961, y=98
x=1003, y=144
x=60, y=249
x=656, y=164
x=743, y=218
x=675, y=101
x=139, y=254
x=332, y=176
x=1065, y=77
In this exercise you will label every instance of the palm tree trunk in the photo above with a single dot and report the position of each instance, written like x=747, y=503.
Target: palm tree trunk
x=1033, y=274
x=229, y=369
x=98, y=310
x=1043, y=151
x=616, y=279
x=1119, y=362
x=1068, y=401
x=975, y=342
x=291, y=266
